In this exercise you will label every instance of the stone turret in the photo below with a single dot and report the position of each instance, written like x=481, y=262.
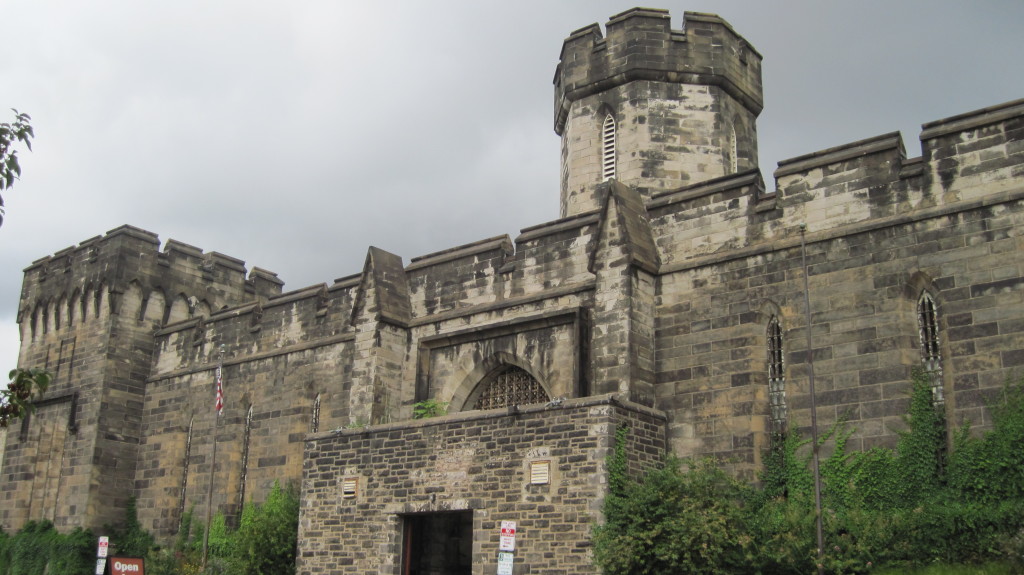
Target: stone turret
x=652, y=107
x=88, y=314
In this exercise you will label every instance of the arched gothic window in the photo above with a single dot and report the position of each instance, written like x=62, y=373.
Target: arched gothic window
x=776, y=376
x=608, y=148
x=931, y=356
x=512, y=386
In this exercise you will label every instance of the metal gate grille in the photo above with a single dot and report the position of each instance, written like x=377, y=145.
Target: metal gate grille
x=513, y=386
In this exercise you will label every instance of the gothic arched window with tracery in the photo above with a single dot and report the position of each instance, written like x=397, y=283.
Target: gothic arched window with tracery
x=511, y=386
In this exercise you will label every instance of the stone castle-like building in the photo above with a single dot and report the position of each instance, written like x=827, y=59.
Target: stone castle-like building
x=667, y=297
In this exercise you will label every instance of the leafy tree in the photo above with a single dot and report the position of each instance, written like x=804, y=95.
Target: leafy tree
x=20, y=130
x=16, y=399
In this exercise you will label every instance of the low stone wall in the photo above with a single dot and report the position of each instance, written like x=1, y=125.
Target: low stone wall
x=478, y=462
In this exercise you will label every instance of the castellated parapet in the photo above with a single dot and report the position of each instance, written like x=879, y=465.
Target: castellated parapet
x=677, y=310
x=89, y=314
x=683, y=102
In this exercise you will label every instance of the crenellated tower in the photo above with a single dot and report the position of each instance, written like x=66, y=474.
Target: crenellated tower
x=652, y=107
x=88, y=314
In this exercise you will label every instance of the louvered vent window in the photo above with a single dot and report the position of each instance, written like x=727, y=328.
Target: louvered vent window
x=350, y=487
x=540, y=472
x=514, y=386
x=733, y=152
x=776, y=376
x=931, y=357
x=608, y=148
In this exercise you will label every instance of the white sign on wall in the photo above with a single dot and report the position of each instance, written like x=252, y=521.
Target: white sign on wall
x=101, y=551
x=508, y=536
x=504, y=563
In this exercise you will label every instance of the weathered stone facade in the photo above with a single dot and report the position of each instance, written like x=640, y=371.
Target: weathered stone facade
x=478, y=462
x=669, y=297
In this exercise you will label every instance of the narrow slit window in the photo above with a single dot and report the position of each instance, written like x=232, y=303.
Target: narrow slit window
x=184, y=475
x=314, y=423
x=931, y=355
x=245, y=458
x=608, y=148
x=776, y=376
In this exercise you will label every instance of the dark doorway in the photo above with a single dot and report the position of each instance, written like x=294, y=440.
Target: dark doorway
x=438, y=544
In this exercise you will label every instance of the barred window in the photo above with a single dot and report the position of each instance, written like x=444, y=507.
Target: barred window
x=776, y=376
x=931, y=356
x=513, y=386
x=608, y=148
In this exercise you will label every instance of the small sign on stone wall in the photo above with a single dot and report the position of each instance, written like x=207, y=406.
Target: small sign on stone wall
x=508, y=536
x=505, y=561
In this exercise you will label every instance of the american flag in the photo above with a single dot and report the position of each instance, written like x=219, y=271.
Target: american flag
x=219, y=406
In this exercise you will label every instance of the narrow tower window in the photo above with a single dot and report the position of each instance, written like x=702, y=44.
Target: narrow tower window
x=776, y=376
x=245, y=458
x=608, y=148
x=314, y=423
x=184, y=475
x=931, y=356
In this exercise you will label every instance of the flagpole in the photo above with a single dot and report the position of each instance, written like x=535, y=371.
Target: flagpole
x=213, y=461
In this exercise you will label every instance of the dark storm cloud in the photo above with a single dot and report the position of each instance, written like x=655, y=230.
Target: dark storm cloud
x=294, y=135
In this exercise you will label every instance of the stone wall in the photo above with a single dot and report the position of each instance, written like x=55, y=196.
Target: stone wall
x=880, y=230
x=88, y=314
x=473, y=461
x=684, y=103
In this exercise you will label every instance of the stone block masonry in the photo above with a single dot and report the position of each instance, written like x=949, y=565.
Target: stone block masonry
x=669, y=295
x=476, y=462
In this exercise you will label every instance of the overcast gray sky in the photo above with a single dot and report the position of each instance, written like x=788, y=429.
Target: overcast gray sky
x=293, y=135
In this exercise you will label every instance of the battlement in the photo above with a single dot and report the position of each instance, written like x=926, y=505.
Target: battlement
x=129, y=258
x=641, y=45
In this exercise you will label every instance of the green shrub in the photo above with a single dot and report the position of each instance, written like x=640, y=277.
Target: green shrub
x=429, y=408
x=899, y=509
x=673, y=521
x=131, y=540
x=30, y=548
x=73, y=554
x=267, y=537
